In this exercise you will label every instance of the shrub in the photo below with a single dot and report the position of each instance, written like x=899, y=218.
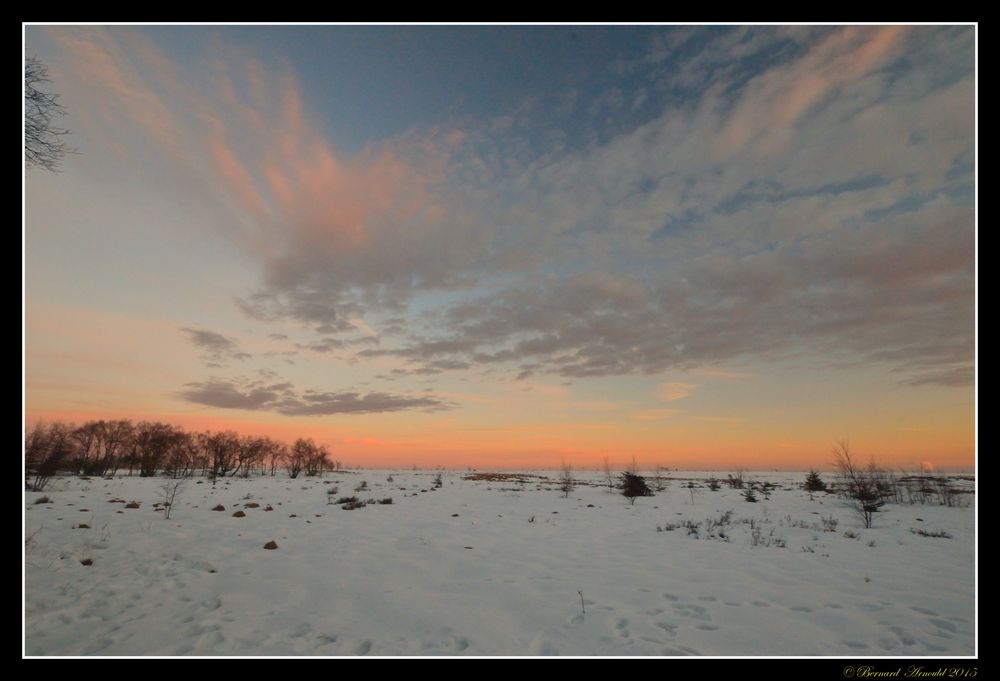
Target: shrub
x=43, y=500
x=713, y=484
x=941, y=534
x=566, y=483
x=749, y=495
x=633, y=485
x=387, y=500
x=168, y=492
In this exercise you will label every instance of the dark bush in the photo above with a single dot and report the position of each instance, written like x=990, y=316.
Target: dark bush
x=633, y=485
x=814, y=483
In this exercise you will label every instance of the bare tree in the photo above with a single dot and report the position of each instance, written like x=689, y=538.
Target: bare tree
x=168, y=492
x=154, y=442
x=182, y=454
x=863, y=486
x=299, y=456
x=221, y=449
x=47, y=449
x=309, y=457
x=659, y=484
x=86, y=442
x=276, y=452
x=607, y=473
x=112, y=442
x=249, y=451
x=43, y=140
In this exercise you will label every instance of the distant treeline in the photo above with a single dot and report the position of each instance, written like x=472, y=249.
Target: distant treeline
x=106, y=448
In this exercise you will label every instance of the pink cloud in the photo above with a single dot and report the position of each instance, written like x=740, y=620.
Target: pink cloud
x=110, y=79
x=277, y=174
x=776, y=101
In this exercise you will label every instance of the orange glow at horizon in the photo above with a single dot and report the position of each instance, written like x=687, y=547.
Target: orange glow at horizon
x=547, y=446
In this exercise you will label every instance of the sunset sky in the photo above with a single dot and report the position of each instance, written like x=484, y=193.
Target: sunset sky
x=701, y=246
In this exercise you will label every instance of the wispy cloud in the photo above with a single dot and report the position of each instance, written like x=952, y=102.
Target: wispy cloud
x=673, y=391
x=217, y=347
x=722, y=420
x=655, y=414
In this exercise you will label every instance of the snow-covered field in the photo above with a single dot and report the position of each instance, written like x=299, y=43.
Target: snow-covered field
x=489, y=567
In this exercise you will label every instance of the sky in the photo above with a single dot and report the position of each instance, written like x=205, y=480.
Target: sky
x=514, y=246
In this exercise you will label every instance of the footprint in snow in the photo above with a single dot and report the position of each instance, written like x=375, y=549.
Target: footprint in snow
x=923, y=611
x=944, y=624
x=669, y=628
x=695, y=611
x=904, y=636
x=211, y=604
x=707, y=627
x=856, y=645
x=887, y=644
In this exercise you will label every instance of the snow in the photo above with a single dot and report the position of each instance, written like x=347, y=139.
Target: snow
x=502, y=577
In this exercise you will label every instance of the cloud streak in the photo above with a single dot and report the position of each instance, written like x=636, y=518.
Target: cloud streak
x=671, y=392
x=282, y=398
x=217, y=347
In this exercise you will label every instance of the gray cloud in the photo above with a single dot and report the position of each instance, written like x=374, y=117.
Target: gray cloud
x=903, y=300
x=209, y=340
x=282, y=398
x=800, y=191
x=217, y=347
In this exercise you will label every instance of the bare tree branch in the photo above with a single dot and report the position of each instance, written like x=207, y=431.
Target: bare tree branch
x=44, y=146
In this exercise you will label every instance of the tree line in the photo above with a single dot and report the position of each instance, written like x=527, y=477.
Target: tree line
x=147, y=448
